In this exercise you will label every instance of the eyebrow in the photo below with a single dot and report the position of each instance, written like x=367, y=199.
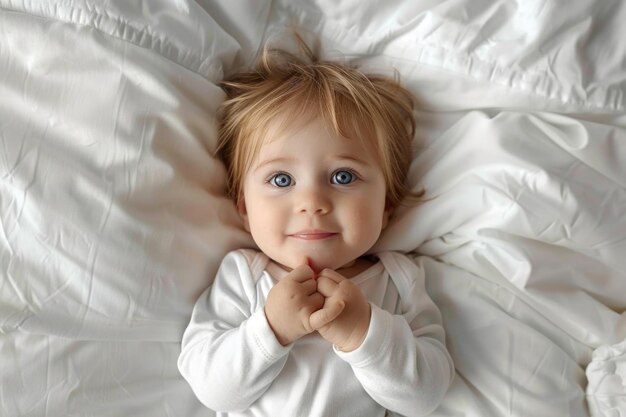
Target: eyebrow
x=351, y=158
x=284, y=159
x=272, y=161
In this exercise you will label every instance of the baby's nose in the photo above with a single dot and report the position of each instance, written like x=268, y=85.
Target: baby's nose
x=314, y=200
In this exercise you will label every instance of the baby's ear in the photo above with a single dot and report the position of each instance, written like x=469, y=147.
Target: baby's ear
x=243, y=212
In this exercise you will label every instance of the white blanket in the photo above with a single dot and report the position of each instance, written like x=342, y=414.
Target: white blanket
x=113, y=216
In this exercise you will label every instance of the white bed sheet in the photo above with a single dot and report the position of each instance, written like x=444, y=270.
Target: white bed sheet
x=113, y=216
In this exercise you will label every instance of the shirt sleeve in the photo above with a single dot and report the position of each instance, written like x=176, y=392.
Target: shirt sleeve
x=229, y=354
x=403, y=363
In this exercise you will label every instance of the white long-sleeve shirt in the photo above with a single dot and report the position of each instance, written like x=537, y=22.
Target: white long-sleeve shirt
x=236, y=366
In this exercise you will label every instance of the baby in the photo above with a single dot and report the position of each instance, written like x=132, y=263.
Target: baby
x=313, y=324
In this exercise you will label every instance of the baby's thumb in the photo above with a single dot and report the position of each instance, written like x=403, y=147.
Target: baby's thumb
x=325, y=315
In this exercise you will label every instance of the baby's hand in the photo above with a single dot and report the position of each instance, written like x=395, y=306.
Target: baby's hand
x=348, y=330
x=290, y=304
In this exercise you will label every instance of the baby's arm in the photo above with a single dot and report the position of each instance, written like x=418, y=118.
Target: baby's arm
x=232, y=354
x=404, y=372
x=229, y=354
x=403, y=363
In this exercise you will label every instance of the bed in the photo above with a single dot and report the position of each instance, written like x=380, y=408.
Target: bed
x=113, y=214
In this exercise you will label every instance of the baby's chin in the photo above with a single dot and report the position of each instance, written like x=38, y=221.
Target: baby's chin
x=316, y=263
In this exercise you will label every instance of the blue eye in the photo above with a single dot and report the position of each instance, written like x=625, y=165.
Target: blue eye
x=343, y=177
x=281, y=180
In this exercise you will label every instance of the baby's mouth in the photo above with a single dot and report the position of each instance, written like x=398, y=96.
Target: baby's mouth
x=313, y=234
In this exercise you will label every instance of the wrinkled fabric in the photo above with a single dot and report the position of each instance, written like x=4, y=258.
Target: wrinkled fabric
x=113, y=215
x=528, y=229
x=606, y=375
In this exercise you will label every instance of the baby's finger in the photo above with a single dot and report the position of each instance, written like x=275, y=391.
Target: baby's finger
x=317, y=301
x=310, y=263
x=332, y=274
x=301, y=273
x=309, y=286
x=326, y=286
x=330, y=312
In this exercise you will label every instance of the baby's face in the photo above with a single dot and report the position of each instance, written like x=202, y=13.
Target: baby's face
x=313, y=194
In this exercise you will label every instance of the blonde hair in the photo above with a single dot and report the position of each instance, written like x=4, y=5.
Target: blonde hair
x=353, y=104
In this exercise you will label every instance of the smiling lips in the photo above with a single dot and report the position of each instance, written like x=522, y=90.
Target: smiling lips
x=313, y=234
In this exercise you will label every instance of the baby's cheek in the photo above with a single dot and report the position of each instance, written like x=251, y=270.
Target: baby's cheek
x=366, y=223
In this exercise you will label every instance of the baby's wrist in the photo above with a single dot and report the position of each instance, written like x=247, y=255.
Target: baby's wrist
x=357, y=336
x=352, y=345
x=283, y=339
